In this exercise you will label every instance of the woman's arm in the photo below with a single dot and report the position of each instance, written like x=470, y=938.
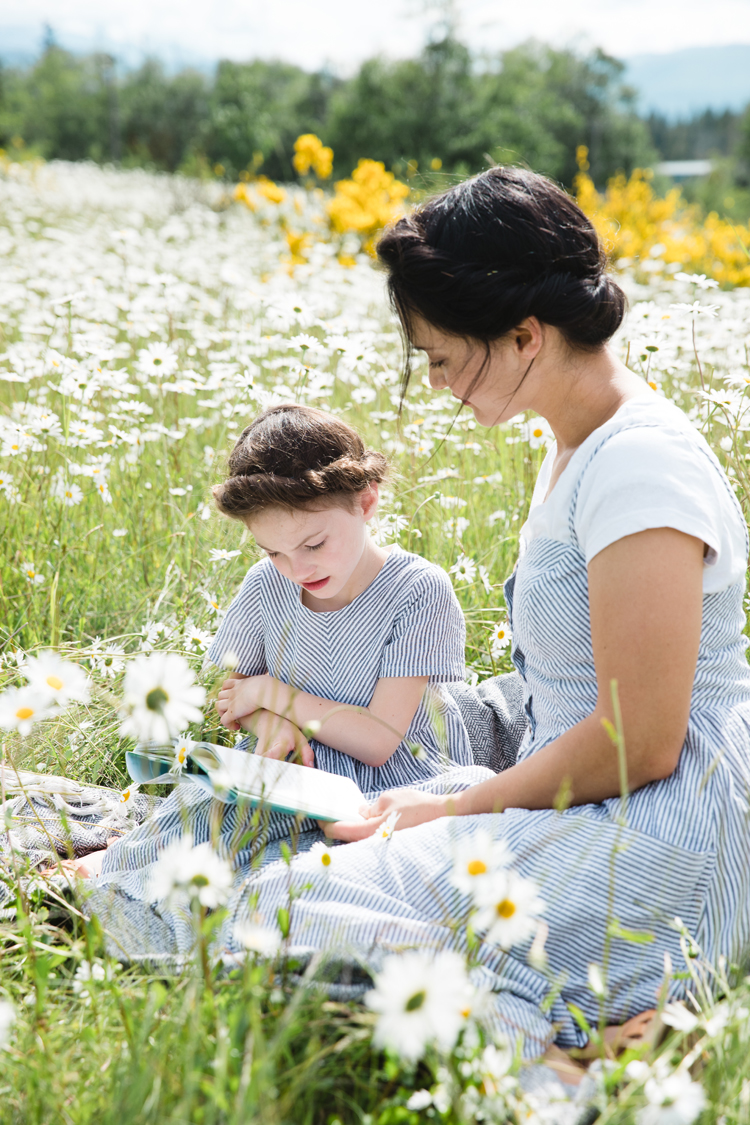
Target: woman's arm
x=645, y=601
x=370, y=734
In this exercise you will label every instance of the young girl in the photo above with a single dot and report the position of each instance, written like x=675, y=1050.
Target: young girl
x=330, y=631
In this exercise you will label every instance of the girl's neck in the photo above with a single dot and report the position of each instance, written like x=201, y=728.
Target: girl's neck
x=370, y=564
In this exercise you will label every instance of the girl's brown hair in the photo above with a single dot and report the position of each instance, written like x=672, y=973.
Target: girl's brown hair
x=294, y=456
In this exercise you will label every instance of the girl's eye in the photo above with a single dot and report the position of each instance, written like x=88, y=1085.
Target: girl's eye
x=316, y=546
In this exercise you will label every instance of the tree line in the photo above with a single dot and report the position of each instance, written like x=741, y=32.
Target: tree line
x=444, y=109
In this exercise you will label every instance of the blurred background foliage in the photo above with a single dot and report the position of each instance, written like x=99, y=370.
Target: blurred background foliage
x=448, y=110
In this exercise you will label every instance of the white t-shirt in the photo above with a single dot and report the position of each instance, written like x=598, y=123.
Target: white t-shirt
x=655, y=470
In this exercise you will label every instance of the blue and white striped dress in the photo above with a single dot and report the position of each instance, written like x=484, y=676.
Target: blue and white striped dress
x=682, y=852
x=684, y=848
x=406, y=623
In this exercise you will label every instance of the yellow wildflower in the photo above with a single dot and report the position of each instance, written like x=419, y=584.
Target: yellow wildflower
x=310, y=152
x=367, y=202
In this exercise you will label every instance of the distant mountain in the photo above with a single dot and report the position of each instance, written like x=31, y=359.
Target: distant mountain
x=681, y=83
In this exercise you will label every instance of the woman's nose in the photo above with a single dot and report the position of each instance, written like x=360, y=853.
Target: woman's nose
x=437, y=379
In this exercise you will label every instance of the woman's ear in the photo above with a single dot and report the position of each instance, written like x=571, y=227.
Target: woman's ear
x=369, y=500
x=528, y=337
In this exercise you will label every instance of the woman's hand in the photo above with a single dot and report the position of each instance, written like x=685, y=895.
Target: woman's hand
x=240, y=696
x=412, y=806
x=278, y=738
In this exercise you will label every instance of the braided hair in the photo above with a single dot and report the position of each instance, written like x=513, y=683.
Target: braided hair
x=507, y=244
x=293, y=457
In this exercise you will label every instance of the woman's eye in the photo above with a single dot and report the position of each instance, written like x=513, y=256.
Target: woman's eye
x=438, y=363
x=316, y=546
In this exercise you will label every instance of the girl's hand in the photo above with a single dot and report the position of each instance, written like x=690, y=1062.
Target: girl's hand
x=277, y=738
x=413, y=806
x=240, y=696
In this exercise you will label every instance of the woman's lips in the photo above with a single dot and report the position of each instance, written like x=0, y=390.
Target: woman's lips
x=315, y=585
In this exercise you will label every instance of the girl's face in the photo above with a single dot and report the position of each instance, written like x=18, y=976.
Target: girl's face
x=494, y=387
x=318, y=550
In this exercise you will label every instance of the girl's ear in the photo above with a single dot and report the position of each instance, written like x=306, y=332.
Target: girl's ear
x=369, y=500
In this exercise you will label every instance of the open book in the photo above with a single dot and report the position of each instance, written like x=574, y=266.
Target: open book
x=236, y=775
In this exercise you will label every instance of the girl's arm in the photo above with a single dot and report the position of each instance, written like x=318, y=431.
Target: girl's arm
x=370, y=734
x=645, y=600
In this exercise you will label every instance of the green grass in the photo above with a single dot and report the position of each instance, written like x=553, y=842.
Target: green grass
x=249, y=1046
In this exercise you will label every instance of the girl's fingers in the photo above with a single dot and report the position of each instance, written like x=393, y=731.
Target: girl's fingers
x=308, y=755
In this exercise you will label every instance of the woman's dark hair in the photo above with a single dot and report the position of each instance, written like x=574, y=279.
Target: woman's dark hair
x=293, y=457
x=481, y=257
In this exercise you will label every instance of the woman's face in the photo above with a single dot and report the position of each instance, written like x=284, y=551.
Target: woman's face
x=496, y=391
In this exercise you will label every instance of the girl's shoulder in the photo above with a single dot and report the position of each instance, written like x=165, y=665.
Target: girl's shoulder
x=409, y=571
x=263, y=578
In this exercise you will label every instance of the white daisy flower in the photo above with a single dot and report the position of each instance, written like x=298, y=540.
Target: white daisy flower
x=500, y=638
x=322, y=858
x=388, y=827
x=673, y=1098
x=31, y=574
x=182, y=748
x=157, y=360
x=161, y=698
x=185, y=870
x=109, y=660
x=420, y=999
x=7, y=1019
x=127, y=797
x=464, y=568
x=454, y=529
x=57, y=680
x=253, y=936
x=212, y=601
x=103, y=492
x=477, y=858
x=68, y=494
x=219, y=555
x=119, y=532
x=20, y=708
x=507, y=908
x=537, y=432
x=679, y=1017
x=197, y=640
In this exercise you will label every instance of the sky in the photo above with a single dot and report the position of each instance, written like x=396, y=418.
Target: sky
x=341, y=33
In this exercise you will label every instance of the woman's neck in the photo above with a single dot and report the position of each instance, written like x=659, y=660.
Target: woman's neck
x=596, y=387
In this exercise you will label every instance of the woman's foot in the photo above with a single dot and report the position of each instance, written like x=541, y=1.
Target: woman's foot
x=85, y=867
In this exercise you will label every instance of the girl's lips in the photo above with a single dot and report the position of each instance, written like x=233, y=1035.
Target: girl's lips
x=315, y=585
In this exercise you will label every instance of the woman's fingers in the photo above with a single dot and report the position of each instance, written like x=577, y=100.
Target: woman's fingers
x=350, y=831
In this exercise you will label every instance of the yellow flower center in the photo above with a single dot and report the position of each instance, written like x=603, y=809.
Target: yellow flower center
x=325, y=859
x=477, y=867
x=125, y=796
x=54, y=682
x=24, y=712
x=538, y=432
x=505, y=908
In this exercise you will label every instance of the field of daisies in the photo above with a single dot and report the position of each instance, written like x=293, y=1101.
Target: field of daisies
x=144, y=321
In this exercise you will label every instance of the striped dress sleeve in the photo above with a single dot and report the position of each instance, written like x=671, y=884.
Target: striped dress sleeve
x=428, y=633
x=240, y=641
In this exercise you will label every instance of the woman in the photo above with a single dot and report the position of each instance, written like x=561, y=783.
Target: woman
x=631, y=575
x=629, y=586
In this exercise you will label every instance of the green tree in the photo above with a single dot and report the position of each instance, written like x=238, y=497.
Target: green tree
x=61, y=106
x=262, y=107
x=414, y=109
x=162, y=118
